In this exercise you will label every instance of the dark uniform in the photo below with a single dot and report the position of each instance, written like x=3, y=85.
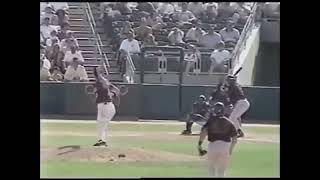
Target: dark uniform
x=235, y=93
x=102, y=94
x=105, y=107
x=221, y=96
x=222, y=137
x=200, y=112
x=201, y=108
x=239, y=102
x=220, y=128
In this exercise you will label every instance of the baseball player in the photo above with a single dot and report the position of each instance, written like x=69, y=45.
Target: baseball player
x=222, y=137
x=220, y=95
x=238, y=100
x=199, y=113
x=105, y=93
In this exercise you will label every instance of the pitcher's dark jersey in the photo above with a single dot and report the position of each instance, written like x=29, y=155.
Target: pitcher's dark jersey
x=220, y=128
x=102, y=94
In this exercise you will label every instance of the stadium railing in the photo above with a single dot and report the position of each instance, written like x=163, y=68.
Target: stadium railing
x=102, y=56
x=250, y=24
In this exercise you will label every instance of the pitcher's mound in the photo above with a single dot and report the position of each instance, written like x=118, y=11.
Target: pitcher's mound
x=106, y=154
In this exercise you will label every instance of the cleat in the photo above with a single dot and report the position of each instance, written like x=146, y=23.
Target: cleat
x=100, y=143
x=240, y=133
x=186, y=132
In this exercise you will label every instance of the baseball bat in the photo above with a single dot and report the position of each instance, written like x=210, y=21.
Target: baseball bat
x=237, y=72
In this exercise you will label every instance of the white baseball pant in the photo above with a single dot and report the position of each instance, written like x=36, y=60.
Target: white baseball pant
x=218, y=157
x=105, y=113
x=240, y=108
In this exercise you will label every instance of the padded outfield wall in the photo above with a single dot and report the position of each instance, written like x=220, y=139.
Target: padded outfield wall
x=151, y=101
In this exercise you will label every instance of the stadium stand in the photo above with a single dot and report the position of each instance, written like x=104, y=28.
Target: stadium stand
x=97, y=30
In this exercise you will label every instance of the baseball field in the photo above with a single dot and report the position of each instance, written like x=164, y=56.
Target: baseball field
x=149, y=149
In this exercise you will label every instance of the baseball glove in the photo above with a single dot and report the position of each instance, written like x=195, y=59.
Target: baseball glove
x=202, y=152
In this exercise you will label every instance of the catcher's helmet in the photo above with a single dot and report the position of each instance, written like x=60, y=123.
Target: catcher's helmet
x=202, y=97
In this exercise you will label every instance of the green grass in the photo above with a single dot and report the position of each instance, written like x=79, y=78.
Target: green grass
x=250, y=159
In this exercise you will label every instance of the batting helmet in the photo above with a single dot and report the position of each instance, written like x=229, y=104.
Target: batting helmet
x=231, y=79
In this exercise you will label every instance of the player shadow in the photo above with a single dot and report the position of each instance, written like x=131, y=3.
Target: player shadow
x=72, y=148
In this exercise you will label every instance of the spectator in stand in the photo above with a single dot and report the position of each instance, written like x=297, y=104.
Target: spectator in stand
x=46, y=28
x=49, y=47
x=62, y=16
x=184, y=16
x=73, y=53
x=69, y=41
x=159, y=24
x=50, y=13
x=197, y=8
x=130, y=45
x=44, y=72
x=271, y=10
x=42, y=50
x=75, y=72
x=60, y=5
x=62, y=34
x=242, y=12
x=210, y=14
x=219, y=57
x=56, y=57
x=225, y=10
x=176, y=36
x=143, y=30
x=46, y=62
x=149, y=41
x=146, y=7
x=165, y=8
x=126, y=29
x=43, y=6
x=53, y=38
x=127, y=47
x=195, y=33
x=153, y=19
x=42, y=42
x=193, y=58
x=56, y=74
x=229, y=34
x=211, y=39
x=122, y=7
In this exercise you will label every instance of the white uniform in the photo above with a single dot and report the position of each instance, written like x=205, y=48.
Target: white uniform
x=106, y=112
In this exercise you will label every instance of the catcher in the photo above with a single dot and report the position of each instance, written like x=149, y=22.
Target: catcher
x=199, y=114
x=222, y=136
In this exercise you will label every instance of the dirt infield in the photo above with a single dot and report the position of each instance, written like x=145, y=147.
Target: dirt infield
x=105, y=154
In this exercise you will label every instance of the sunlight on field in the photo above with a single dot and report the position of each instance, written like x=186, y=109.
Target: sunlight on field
x=151, y=150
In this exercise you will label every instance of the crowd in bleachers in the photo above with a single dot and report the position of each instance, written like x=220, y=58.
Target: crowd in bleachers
x=60, y=58
x=201, y=25
x=198, y=26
